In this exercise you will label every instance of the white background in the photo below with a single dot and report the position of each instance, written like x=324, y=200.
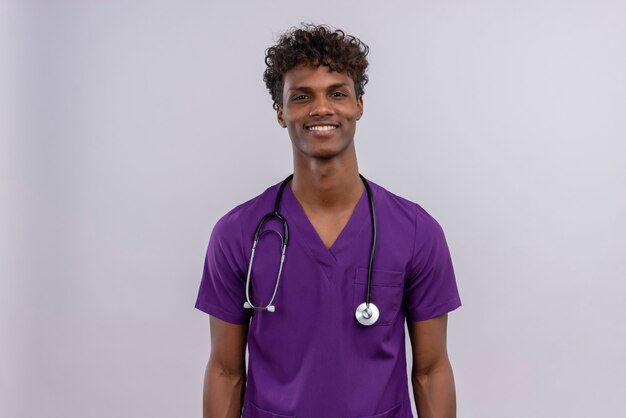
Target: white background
x=129, y=127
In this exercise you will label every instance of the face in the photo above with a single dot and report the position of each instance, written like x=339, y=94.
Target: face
x=320, y=110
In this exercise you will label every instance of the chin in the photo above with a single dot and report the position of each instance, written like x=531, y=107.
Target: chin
x=323, y=153
x=320, y=151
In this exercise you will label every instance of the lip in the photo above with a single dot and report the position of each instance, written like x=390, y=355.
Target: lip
x=324, y=133
x=327, y=123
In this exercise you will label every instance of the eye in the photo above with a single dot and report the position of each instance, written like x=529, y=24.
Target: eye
x=338, y=94
x=299, y=97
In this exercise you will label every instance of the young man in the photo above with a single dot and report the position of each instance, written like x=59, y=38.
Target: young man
x=325, y=330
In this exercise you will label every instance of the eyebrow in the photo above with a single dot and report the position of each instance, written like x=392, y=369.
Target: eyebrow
x=308, y=89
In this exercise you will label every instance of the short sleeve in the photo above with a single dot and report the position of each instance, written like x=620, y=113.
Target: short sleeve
x=431, y=288
x=222, y=289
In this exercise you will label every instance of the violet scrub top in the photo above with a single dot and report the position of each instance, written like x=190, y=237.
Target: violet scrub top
x=311, y=358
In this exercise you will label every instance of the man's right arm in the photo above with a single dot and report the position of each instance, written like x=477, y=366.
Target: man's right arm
x=225, y=376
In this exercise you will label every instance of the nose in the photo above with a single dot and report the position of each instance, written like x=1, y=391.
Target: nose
x=321, y=107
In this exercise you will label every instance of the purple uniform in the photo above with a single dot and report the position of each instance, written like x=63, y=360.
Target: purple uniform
x=311, y=358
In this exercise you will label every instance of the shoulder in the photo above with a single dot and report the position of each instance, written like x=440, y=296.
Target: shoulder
x=244, y=214
x=403, y=210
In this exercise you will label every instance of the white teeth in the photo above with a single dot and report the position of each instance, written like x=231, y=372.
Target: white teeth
x=321, y=128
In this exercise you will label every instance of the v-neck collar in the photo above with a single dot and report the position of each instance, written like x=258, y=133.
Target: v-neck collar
x=304, y=232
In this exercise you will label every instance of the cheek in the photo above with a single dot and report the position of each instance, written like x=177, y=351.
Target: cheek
x=293, y=126
x=353, y=118
x=294, y=132
x=353, y=114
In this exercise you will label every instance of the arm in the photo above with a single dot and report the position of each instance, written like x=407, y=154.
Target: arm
x=225, y=375
x=432, y=378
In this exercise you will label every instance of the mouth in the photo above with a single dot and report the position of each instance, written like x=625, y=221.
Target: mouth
x=322, y=128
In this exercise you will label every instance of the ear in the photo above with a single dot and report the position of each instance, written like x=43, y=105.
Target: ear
x=359, y=105
x=279, y=116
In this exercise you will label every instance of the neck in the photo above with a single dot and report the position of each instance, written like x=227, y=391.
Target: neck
x=327, y=184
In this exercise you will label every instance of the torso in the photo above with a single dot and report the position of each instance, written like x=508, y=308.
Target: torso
x=307, y=358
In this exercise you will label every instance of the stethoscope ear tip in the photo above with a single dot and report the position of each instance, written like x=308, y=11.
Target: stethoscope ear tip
x=271, y=308
x=247, y=305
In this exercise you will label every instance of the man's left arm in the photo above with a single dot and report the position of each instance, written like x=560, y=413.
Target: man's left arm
x=431, y=375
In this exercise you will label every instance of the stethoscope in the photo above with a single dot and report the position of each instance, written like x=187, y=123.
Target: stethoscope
x=366, y=313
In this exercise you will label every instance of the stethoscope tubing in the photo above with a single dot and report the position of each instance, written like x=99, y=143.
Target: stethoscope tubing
x=284, y=240
x=368, y=296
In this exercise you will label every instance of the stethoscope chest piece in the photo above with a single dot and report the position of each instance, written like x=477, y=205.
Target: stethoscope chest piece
x=367, y=315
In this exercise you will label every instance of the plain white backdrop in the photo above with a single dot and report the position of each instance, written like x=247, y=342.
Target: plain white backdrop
x=128, y=128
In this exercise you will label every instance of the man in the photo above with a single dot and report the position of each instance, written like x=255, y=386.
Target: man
x=324, y=338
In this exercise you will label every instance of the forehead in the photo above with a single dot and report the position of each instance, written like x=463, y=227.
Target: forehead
x=315, y=77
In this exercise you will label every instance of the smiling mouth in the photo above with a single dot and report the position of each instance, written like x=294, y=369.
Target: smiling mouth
x=321, y=128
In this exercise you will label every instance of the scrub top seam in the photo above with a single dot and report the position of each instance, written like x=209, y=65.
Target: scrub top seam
x=413, y=266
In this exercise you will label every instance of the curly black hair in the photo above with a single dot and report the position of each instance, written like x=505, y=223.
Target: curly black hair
x=315, y=45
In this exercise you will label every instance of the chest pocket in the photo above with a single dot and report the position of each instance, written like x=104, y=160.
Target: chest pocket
x=387, y=287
